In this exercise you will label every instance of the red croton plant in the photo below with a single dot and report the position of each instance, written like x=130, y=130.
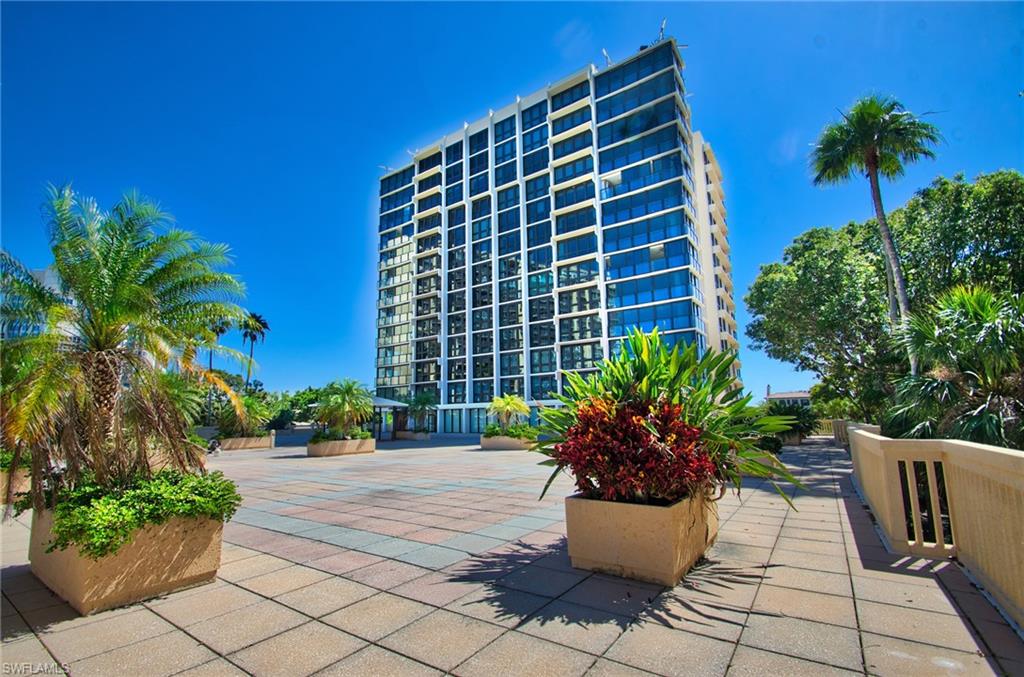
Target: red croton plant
x=655, y=426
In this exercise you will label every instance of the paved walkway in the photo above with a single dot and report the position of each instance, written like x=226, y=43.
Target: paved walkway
x=441, y=559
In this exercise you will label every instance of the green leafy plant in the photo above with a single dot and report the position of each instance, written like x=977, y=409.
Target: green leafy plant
x=127, y=298
x=99, y=520
x=6, y=460
x=343, y=405
x=333, y=434
x=655, y=425
x=420, y=407
x=804, y=420
x=508, y=409
x=519, y=431
x=971, y=347
x=250, y=422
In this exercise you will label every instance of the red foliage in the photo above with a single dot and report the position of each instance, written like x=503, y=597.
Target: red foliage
x=635, y=453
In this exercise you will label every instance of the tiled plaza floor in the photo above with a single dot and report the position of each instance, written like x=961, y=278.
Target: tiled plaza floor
x=436, y=559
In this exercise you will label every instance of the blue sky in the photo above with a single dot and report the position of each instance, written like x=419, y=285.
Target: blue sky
x=263, y=125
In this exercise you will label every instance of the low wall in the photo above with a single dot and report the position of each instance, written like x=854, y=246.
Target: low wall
x=240, y=443
x=940, y=498
x=409, y=435
x=504, y=443
x=341, y=447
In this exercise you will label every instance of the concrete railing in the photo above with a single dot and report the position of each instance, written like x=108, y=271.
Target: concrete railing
x=943, y=498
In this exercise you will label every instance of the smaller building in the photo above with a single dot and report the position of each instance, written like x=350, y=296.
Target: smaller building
x=794, y=397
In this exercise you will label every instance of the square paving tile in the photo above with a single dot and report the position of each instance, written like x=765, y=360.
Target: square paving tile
x=437, y=588
x=325, y=596
x=442, y=639
x=665, y=651
x=750, y=662
x=517, y=654
x=890, y=656
x=542, y=581
x=583, y=628
x=377, y=662
x=188, y=609
x=617, y=595
x=283, y=580
x=387, y=574
x=105, y=634
x=162, y=655
x=810, y=640
x=378, y=616
x=300, y=651
x=238, y=629
x=916, y=625
x=498, y=605
x=350, y=560
x=812, y=606
x=433, y=557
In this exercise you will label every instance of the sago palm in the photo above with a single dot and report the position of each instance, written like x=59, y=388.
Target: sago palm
x=254, y=327
x=876, y=138
x=508, y=409
x=344, y=405
x=133, y=297
x=970, y=344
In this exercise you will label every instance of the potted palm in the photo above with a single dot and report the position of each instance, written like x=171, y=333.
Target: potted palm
x=652, y=441
x=418, y=412
x=123, y=509
x=245, y=427
x=509, y=432
x=343, y=407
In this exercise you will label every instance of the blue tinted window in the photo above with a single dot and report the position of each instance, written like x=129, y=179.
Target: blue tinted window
x=672, y=254
x=674, y=285
x=432, y=221
x=571, y=170
x=581, y=218
x=478, y=141
x=508, y=220
x=666, y=317
x=535, y=139
x=537, y=187
x=653, y=144
x=572, y=144
x=429, y=162
x=453, y=153
x=580, y=327
x=577, y=117
x=428, y=183
x=453, y=194
x=571, y=95
x=664, y=226
x=577, y=193
x=396, y=200
x=642, y=204
x=453, y=173
x=540, y=283
x=646, y=174
x=652, y=61
x=428, y=202
x=392, y=219
x=508, y=243
x=535, y=161
x=581, y=356
x=395, y=181
x=538, y=234
x=577, y=246
x=535, y=115
x=482, y=207
x=478, y=184
x=576, y=273
x=478, y=163
x=505, y=129
x=538, y=211
x=456, y=236
x=542, y=360
x=457, y=216
x=543, y=387
x=538, y=259
x=505, y=151
x=508, y=197
x=639, y=122
x=505, y=173
x=481, y=229
x=636, y=96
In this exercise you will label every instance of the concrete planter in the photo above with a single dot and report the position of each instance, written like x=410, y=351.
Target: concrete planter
x=409, y=435
x=341, y=447
x=791, y=438
x=645, y=542
x=180, y=553
x=240, y=443
x=504, y=443
x=19, y=480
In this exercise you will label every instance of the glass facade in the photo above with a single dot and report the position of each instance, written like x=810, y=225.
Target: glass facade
x=528, y=244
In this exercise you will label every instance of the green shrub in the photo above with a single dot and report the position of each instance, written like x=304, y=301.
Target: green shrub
x=99, y=521
x=332, y=435
x=769, y=443
x=520, y=431
x=6, y=460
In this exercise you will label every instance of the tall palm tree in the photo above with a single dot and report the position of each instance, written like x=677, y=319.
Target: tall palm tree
x=420, y=406
x=131, y=298
x=876, y=137
x=508, y=409
x=217, y=328
x=970, y=344
x=253, y=327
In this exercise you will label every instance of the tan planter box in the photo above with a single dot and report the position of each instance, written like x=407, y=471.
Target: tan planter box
x=504, y=443
x=180, y=553
x=341, y=447
x=791, y=439
x=645, y=542
x=240, y=443
x=19, y=479
x=409, y=435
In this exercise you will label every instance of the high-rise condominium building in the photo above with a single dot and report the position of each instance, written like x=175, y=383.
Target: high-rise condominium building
x=528, y=243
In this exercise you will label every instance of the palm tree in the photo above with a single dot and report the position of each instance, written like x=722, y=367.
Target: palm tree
x=132, y=296
x=344, y=405
x=218, y=329
x=970, y=344
x=877, y=137
x=420, y=406
x=253, y=327
x=508, y=409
